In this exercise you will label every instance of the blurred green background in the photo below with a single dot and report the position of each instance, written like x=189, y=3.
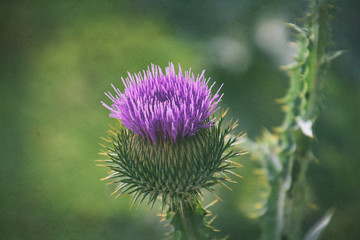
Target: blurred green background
x=59, y=57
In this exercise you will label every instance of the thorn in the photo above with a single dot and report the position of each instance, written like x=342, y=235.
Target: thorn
x=109, y=183
x=107, y=177
x=105, y=139
x=234, y=173
x=229, y=180
x=225, y=186
x=258, y=206
x=132, y=201
x=102, y=145
x=116, y=189
x=111, y=133
x=315, y=159
x=242, y=152
x=278, y=129
x=211, y=220
x=103, y=153
x=219, y=198
x=223, y=114
x=161, y=214
x=111, y=126
x=285, y=108
x=241, y=134
x=280, y=100
x=211, y=204
x=101, y=165
x=235, y=163
x=314, y=207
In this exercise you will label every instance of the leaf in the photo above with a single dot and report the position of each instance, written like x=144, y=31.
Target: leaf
x=332, y=55
x=305, y=126
x=314, y=232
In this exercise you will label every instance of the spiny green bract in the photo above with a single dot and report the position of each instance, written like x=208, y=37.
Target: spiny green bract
x=176, y=172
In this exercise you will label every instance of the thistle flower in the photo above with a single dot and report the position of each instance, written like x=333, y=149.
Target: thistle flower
x=170, y=106
x=168, y=144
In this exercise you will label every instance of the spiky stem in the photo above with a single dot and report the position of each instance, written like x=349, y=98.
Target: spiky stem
x=189, y=230
x=287, y=152
x=296, y=196
x=188, y=220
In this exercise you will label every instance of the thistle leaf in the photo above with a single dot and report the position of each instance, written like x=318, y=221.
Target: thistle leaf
x=317, y=229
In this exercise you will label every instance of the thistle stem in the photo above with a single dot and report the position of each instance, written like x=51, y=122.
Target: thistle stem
x=186, y=214
x=188, y=220
x=296, y=195
x=287, y=200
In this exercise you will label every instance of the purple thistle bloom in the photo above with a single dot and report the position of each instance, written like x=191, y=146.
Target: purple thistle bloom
x=156, y=105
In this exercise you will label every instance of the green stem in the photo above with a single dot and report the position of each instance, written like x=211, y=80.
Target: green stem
x=295, y=206
x=188, y=220
x=317, y=52
x=186, y=214
x=287, y=200
x=296, y=197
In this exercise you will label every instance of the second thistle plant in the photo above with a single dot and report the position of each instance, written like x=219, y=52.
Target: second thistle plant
x=287, y=152
x=168, y=145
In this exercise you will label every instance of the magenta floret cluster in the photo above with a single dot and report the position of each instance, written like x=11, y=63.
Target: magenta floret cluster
x=157, y=105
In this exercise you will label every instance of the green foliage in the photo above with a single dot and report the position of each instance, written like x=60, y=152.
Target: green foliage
x=316, y=230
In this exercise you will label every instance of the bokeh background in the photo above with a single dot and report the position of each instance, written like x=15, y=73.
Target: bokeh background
x=59, y=57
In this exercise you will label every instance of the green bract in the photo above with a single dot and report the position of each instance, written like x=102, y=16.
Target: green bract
x=176, y=172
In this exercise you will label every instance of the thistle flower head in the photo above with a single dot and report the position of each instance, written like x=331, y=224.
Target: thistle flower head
x=156, y=105
x=167, y=143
